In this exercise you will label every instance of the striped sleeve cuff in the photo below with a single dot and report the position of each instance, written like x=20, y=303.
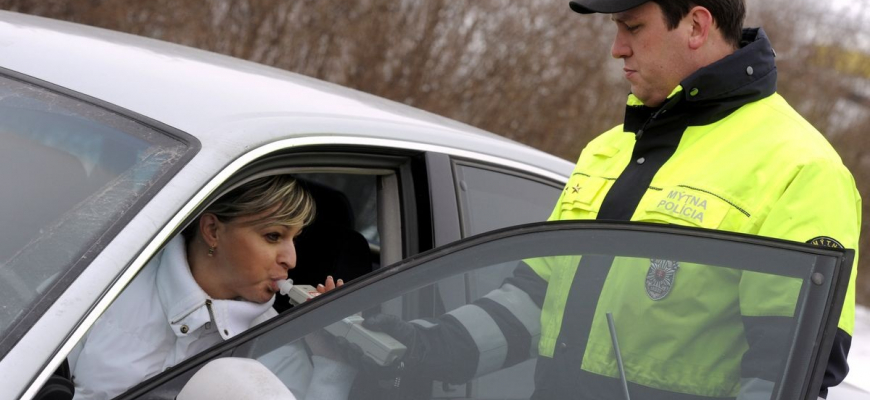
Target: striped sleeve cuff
x=505, y=326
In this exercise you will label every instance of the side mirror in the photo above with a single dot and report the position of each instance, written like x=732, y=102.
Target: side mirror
x=234, y=379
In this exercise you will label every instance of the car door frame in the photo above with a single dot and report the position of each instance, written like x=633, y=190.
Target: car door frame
x=303, y=316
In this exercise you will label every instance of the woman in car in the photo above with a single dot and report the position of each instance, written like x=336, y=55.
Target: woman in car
x=209, y=284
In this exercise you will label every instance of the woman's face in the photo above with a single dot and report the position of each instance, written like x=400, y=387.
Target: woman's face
x=251, y=259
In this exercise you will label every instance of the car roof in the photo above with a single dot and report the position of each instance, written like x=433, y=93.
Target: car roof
x=215, y=97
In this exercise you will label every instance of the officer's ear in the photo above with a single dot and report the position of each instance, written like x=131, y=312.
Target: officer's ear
x=701, y=25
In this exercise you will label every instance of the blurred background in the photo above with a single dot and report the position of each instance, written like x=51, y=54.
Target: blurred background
x=529, y=70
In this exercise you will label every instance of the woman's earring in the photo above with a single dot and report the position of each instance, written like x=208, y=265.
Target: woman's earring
x=211, y=251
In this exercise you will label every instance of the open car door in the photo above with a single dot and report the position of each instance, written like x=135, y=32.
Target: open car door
x=635, y=287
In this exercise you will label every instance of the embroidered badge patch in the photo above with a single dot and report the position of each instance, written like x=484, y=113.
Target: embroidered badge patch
x=825, y=241
x=660, y=278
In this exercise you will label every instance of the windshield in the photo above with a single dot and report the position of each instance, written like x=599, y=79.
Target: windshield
x=69, y=173
x=694, y=316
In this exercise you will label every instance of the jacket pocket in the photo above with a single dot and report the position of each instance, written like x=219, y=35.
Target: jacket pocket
x=583, y=195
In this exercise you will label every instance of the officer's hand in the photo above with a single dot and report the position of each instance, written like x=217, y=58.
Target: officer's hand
x=441, y=351
x=407, y=333
x=350, y=353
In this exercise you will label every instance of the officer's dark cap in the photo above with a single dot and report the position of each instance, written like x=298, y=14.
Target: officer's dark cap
x=604, y=6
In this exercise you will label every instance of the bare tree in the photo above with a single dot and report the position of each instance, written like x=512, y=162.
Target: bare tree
x=529, y=70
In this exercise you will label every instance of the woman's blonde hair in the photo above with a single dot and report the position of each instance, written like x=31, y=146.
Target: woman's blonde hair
x=288, y=202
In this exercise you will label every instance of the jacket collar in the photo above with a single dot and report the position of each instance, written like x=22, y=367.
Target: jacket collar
x=715, y=91
x=184, y=302
x=748, y=74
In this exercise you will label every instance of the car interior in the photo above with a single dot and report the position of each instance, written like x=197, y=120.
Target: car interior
x=330, y=245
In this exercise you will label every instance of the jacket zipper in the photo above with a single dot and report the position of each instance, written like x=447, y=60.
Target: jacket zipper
x=667, y=106
x=207, y=305
x=210, y=312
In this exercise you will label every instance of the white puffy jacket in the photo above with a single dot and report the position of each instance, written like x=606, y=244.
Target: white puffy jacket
x=163, y=318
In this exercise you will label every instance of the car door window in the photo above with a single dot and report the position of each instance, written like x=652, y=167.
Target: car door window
x=71, y=173
x=641, y=286
x=492, y=198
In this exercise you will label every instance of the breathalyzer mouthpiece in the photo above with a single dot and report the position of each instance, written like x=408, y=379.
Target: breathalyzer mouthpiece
x=285, y=286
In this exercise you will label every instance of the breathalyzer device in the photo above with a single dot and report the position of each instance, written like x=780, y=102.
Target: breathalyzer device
x=382, y=348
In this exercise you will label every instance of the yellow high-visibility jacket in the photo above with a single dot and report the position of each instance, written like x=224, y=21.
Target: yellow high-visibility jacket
x=725, y=152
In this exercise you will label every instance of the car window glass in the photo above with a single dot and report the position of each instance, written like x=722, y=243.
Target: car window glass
x=684, y=298
x=69, y=171
x=491, y=199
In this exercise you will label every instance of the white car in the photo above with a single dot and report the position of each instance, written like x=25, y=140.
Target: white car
x=110, y=144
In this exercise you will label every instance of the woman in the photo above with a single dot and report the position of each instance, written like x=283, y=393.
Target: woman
x=213, y=282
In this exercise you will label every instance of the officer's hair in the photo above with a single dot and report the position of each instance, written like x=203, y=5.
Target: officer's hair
x=727, y=14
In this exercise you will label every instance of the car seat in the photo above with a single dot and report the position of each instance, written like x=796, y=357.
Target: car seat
x=329, y=245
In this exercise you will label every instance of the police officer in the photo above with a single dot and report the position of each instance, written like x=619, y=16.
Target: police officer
x=706, y=142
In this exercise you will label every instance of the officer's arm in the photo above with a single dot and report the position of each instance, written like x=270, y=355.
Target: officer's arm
x=496, y=331
x=821, y=205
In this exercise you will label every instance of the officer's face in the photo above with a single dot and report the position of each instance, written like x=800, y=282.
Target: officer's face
x=655, y=58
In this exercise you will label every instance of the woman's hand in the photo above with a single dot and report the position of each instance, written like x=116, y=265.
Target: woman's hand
x=321, y=343
x=329, y=285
